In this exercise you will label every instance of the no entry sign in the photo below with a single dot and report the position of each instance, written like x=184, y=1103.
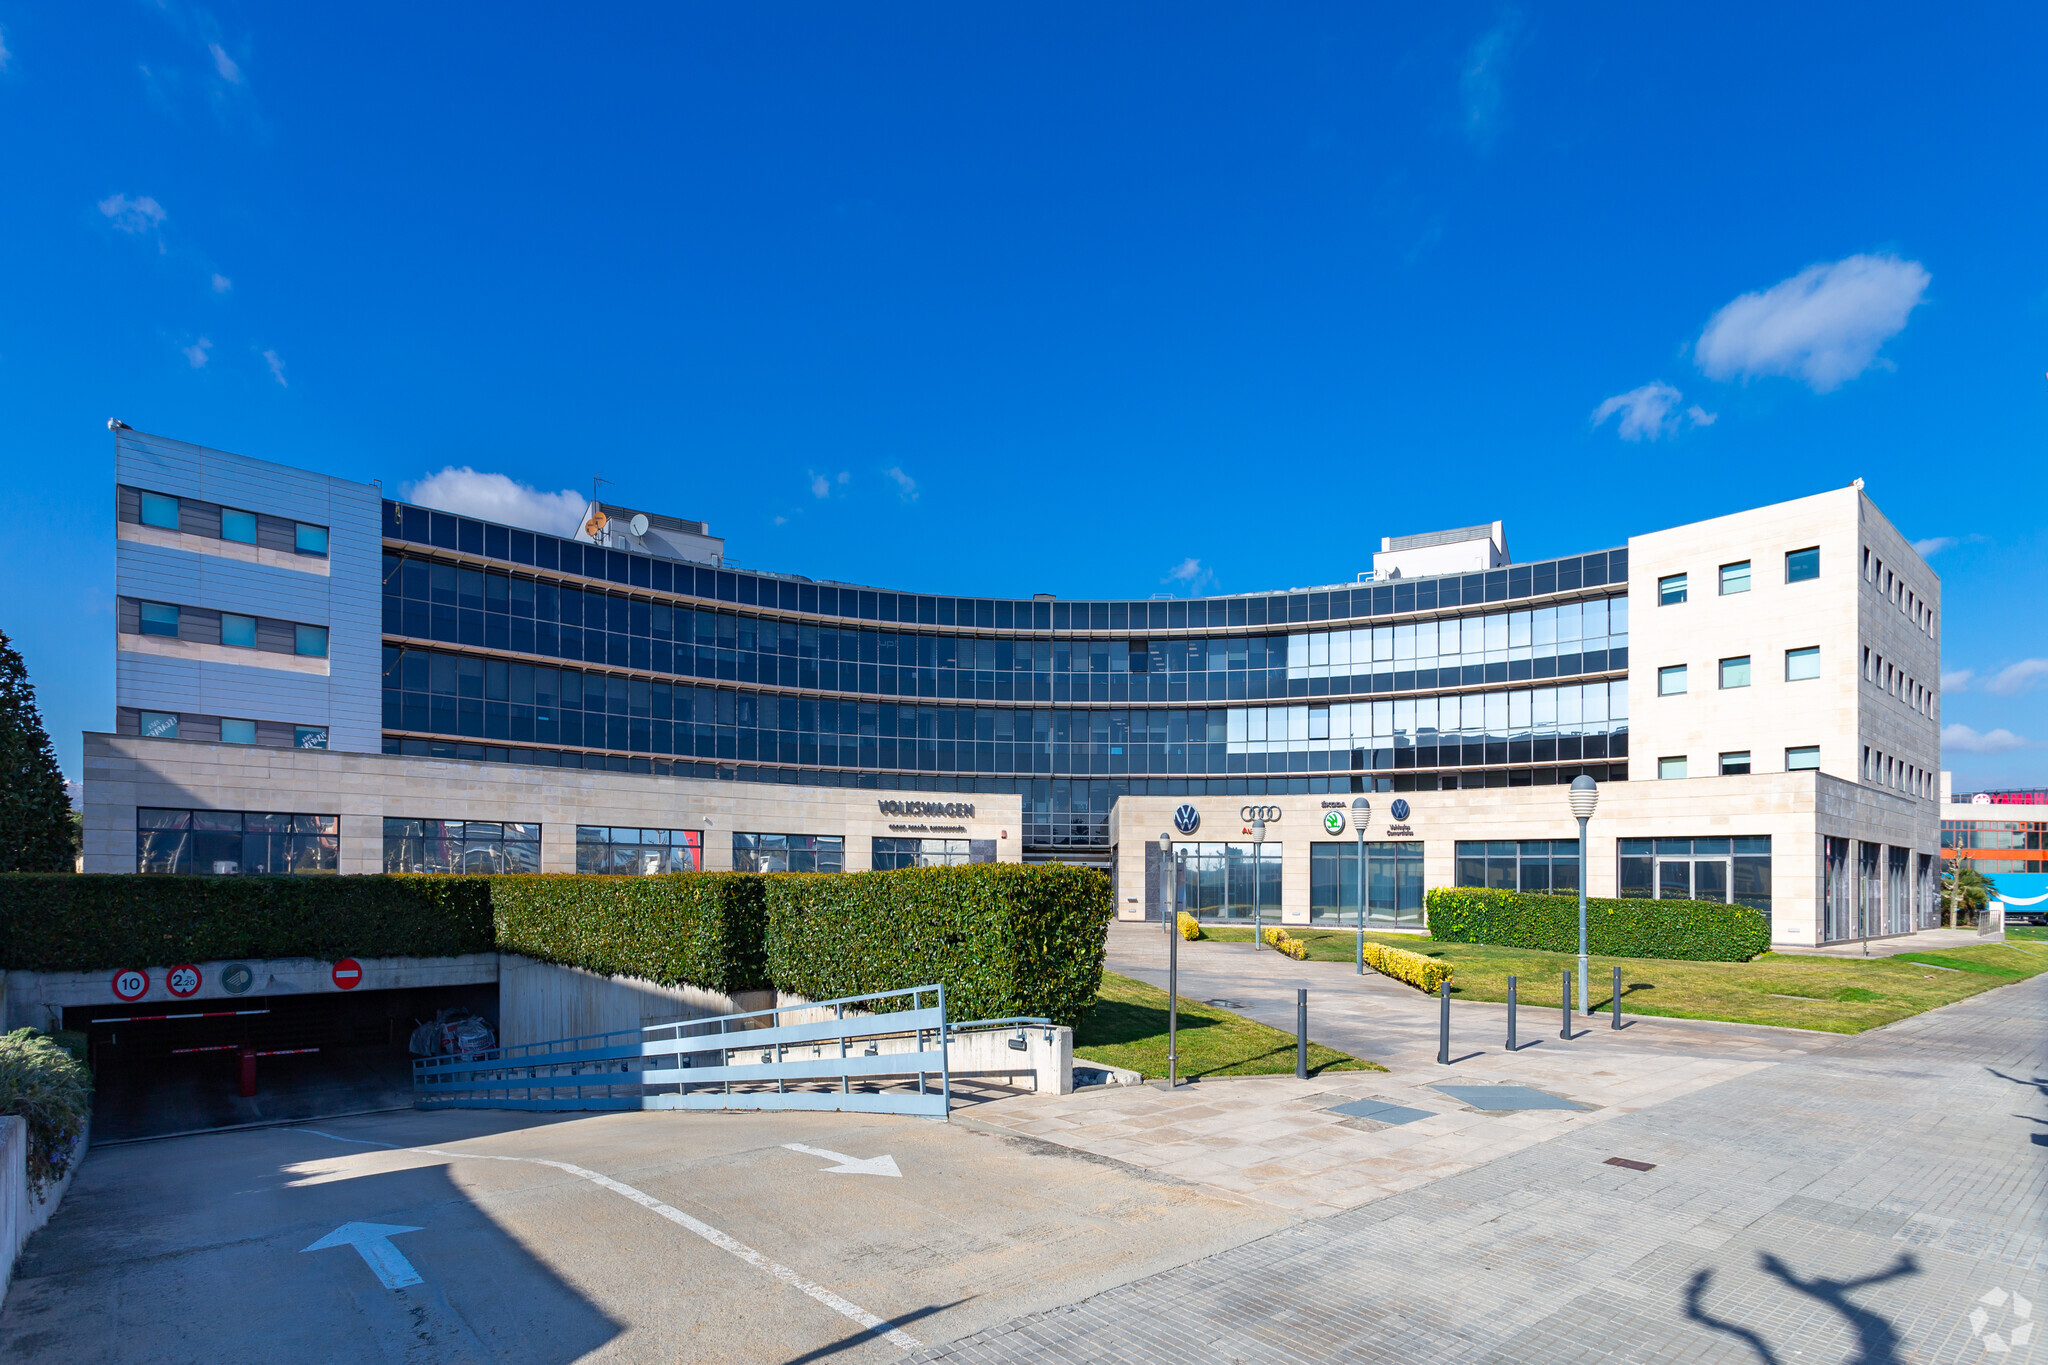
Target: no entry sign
x=182, y=981
x=131, y=984
x=348, y=974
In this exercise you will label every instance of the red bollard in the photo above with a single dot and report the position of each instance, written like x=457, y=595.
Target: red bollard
x=248, y=1073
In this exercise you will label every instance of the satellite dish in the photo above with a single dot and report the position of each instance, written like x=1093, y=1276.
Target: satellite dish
x=638, y=524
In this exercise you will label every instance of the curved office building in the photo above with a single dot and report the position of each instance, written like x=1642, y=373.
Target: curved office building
x=357, y=683
x=511, y=646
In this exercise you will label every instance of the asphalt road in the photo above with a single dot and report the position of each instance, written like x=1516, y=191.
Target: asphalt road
x=672, y=1237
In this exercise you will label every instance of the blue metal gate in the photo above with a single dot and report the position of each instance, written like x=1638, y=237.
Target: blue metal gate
x=880, y=1054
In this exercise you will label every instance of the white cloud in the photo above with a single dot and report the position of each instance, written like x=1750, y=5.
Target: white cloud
x=906, y=487
x=1958, y=681
x=225, y=64
x=780, y=521
x=221, y=283
x=196, y=352
x=2014, y=679
x=1650, y=412
x=1479, y=84
x=5, y=55
x=496, y=497
x=1970, y=742
x=1824, y=325
x=1932, y=546
x=821, y=487
x=133, y=216
x=276, y=363
x=1190, y=574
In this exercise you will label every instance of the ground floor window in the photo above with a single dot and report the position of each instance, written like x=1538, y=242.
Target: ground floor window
x=788, y=853
x=470, y=846
x=890, y=854
x=1736, y=870
x=1228, y=880
x=1393, y=883
x=1838, y=891
x=1519, y=864
x=628, y=851
x=235, y=843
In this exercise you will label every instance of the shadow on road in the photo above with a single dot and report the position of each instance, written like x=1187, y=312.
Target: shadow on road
x=1877, y=1340
x=901, y=1320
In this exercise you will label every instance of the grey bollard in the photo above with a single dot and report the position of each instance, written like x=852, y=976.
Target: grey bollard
x=1617, y=998
x=1566, y=1031
x=1443, y=1032
x=1511, y=1014
x=1301, y=1035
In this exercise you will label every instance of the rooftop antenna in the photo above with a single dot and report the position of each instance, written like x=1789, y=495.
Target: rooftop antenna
x=595, y=480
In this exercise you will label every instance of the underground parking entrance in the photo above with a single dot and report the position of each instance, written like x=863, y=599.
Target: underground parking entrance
x=279, y=1050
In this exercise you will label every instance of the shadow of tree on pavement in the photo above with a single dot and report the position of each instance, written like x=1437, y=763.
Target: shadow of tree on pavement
x=1877, y=1340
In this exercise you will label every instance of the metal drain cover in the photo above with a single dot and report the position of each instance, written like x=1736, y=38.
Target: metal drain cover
x=1380, y=1111
x=1503, y=1097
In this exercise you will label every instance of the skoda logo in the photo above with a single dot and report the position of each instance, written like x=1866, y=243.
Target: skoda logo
x=1400, y=809
x=1333, y=822
x=1186, y=818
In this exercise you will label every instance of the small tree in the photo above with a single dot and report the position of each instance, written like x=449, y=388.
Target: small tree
x=1965, y=890
x=36, y=830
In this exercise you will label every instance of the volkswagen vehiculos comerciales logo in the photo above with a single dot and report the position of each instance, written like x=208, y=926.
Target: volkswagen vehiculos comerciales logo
x=1186, y=818
x=1399, y=810
x=1333, y=822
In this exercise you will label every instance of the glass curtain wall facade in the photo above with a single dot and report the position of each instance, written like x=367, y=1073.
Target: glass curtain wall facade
x=1393, y=883
x=1229, y=881
x=512, y=646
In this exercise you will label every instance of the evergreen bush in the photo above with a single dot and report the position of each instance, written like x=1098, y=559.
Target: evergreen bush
x=1691, y=931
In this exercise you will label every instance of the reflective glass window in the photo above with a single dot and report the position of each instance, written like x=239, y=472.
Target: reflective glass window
x=1806, y=756
x=159, y=618
x=1801, y=565
x=238, y=631
x=238, y=526
x=1734, y=578
x=1671, y=680
x=1801, y=664
x=159, y=509
x=1735, y=671
x=1671, y=590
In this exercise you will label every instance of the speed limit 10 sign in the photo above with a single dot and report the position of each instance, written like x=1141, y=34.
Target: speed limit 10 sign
x=131, y=984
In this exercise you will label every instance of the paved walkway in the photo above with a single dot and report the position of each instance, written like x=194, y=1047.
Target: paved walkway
x=1878, y=1199
x=1922, y=941
x=1280, y=1143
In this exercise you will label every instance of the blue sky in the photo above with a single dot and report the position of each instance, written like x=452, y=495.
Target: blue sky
x=1094, y=300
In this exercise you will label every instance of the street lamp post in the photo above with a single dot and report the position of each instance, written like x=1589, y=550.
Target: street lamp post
x=1258, y=879
x=1361, y=812
x=1168, y=920
x=1583, y=796
x=1167, y=877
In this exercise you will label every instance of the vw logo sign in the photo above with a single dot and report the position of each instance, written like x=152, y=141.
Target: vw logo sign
x=1333, y=822
x=1186, y=818
x=1400, y=809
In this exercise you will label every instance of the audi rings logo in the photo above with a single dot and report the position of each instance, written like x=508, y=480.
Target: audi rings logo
x=1186, y=818
x=1400, y=810
x=1269, y=814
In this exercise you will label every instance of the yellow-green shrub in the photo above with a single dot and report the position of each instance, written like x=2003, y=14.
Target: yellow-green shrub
x=1280, y=940
x=1423, y=973
x=1190, y=927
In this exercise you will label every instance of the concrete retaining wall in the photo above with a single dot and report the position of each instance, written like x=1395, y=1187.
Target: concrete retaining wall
x=540, y=1001
x=21, y=1212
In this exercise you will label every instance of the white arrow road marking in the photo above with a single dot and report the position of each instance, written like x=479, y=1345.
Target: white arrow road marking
x=849, y=1165
x=373, y=1240
x=880, y=1326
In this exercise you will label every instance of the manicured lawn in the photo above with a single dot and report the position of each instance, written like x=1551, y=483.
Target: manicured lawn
x=1838, y=995
x=1127, y=1028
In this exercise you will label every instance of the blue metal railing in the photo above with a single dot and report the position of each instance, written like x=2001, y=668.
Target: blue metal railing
x=873, y=1053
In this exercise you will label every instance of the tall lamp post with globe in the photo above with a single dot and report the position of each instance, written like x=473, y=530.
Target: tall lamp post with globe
x=1361, y=814
x=1583, y=796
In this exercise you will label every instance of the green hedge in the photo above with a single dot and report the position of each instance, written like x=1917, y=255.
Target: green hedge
x=1694, y=931
x=1004, y=938
x=697, y=928
x=63, y=922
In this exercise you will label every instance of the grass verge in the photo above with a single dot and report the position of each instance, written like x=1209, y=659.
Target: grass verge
x=1127, y=1028
x=1832, y=994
